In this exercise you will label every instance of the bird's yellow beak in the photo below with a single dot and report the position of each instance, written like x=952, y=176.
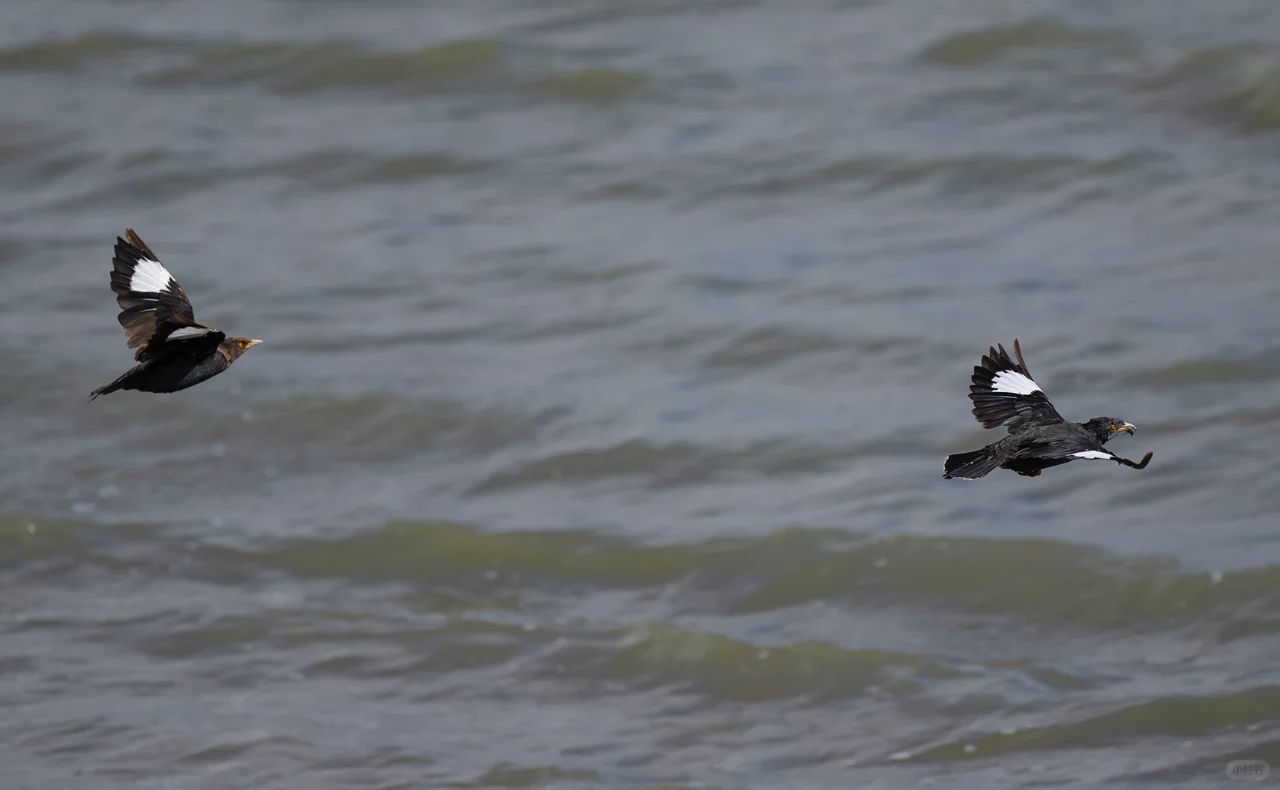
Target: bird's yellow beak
x=1129, y=428
x=253, y=343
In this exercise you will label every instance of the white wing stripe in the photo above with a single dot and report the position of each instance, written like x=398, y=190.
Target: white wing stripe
x=186, y=333
x=1014, y=383
x=1093, y=455
x=149, y=277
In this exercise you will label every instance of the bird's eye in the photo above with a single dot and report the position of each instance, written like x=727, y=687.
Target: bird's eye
x=1113, y=425
x=242, y=344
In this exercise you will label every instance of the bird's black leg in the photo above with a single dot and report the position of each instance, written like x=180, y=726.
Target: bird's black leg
x=1139, y=465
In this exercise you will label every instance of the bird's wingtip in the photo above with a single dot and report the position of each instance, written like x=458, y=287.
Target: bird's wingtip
x=133, y=238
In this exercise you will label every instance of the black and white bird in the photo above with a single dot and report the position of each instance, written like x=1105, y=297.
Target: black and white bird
x=1003, y=393
x=174, y=352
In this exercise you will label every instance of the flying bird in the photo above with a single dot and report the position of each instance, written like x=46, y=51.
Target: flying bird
x=1003, y=393
x=174, y=352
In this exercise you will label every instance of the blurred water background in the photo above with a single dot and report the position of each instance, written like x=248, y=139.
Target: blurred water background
x=612, y=352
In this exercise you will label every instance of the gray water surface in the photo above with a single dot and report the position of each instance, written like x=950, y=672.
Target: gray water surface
x=612, y=352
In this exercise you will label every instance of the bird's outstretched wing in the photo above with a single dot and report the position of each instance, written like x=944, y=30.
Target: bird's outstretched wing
x=156, y=315
x=1004, y=393
x=1072, y=448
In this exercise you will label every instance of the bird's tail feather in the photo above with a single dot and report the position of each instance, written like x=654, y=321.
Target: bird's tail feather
x=112, y=387
x=971, y=466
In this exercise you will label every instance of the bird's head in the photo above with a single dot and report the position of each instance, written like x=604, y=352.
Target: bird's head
x=1107, y=427
x=235, y=346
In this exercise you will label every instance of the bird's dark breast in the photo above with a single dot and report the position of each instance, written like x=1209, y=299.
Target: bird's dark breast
x=172, y=375
x=1032, y=466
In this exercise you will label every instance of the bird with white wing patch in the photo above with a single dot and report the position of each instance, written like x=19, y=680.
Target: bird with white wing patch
x=174, y=352
x=1004, y=393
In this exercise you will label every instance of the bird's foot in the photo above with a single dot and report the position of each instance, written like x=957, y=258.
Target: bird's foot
x=1146, y=459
